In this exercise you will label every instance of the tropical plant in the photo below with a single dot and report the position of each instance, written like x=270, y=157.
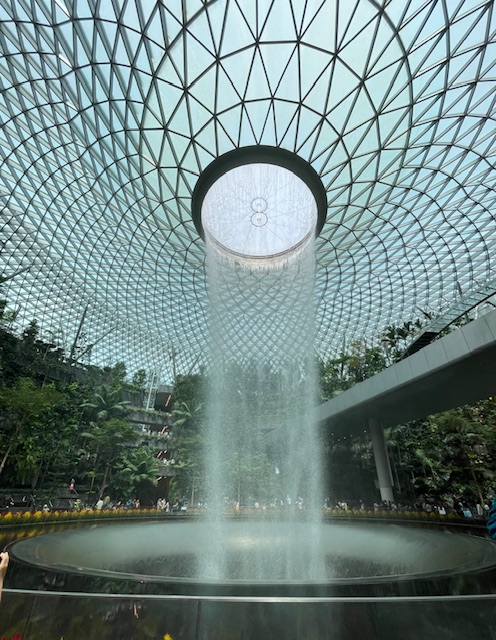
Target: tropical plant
x=105, y=441
x=105, y=405
x=448, y=455
x=188, y=449
x=134, y=472
x=139, y=379
x=27, y=409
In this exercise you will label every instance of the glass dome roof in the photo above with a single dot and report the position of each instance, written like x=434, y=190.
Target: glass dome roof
x=110, y=111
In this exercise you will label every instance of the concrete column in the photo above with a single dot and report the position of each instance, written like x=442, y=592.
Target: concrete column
x=383, y=468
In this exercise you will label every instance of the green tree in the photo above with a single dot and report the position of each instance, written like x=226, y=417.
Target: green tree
x=447, y=455
x=395, y=338
x=139, y=378
x=363, y=361
x=188, y=422
x=189, y=389
x=106, y=441
x=341, y=373
x=59, y=439
x=444, y=455
x=106, y=404
x=27, y=409
x=107, y=435
x=118, y=375
x=252, y=476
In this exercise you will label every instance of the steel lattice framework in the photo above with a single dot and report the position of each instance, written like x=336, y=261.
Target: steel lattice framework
x=111, y=109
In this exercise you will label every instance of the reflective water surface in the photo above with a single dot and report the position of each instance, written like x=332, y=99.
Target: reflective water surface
x=256, y=552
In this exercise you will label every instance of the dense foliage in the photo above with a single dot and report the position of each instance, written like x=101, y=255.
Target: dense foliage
x=60, y=420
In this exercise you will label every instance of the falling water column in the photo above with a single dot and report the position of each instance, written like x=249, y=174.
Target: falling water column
x=259, y=221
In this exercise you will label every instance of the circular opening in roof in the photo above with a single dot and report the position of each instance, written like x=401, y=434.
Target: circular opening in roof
x=259, y=211
x=259, y=203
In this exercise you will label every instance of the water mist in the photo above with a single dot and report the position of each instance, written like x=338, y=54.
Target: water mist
x=262, y=447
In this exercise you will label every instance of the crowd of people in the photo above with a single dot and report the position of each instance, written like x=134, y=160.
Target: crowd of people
x=451, y=506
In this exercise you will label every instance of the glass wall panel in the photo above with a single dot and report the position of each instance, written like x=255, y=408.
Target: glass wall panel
x=303, y=620
x=49, y=616
x=437, y=619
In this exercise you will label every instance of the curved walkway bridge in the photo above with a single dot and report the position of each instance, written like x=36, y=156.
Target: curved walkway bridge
x=458, y=369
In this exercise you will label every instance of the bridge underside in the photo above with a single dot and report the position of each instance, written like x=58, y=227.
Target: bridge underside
x=457, y=369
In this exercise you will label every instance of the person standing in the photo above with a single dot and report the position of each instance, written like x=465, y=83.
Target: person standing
x=4, y=563
x=491, y=520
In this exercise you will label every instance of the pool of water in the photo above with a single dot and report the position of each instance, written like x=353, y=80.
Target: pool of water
x=259, y=557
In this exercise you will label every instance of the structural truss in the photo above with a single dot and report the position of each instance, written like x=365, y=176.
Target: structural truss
x=111, y=109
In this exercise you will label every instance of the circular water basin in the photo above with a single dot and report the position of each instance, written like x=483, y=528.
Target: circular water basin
x=247, y=555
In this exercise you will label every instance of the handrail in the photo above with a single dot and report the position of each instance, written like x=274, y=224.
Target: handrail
x=261, y=599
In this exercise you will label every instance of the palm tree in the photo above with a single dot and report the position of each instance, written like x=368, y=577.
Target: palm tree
x=106, y=441
x=106, y=404
x=188, y=446
x=184, y=415
x=137, y=468
x=108, y=433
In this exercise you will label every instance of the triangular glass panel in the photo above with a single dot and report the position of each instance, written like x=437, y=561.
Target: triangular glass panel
x=129, y=15
x=286, y=122
x=389, y=164
x=225, y=142
x=276, y=58
x=199, y=115
x=309, y=125
x=315, y=79
x=257, y=86
x=434, y=53
x=468, y=32
x=319, y=24
x=199, y=58
x=278, y=23
x=247, y=136
x=214, y=16
x=231, y=122
x=412, y=23
x=261, y=119
x=233, y=77
x=237, y=34
x=363, y=112
x=178, y=143
x=385, y=49
x=206, y=145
